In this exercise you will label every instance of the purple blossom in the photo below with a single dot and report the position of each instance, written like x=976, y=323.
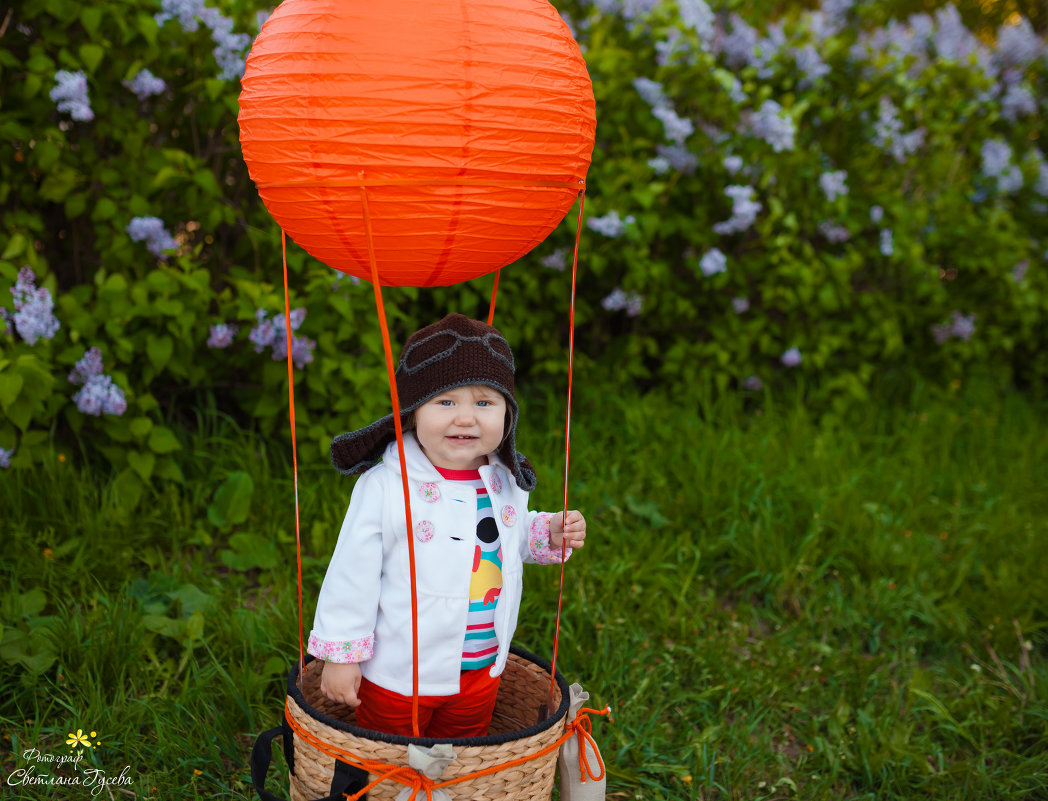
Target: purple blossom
x=619, y=300
x=5, y=457
x=753, y=384
x=834, y=232
x=739, y=46
x=952, y=39
x=698, y=16
x=34, y=309
x=713, y=262
x=187, y=12
x=740, y=305
x=1019, y=270
x=997, y=164
x=98, y=395
x=151, y=230
x=773, y=126
x=733, y=164
x=229, y=47
x=659, y=165
x=961, y=326
x=262, y=334
x=1041, y=187
x=610, y=225
x=676, y=128
x=557, y=260
x=273, y=334
x=811, y=64
x=887, y=243
x=221, y=335
x=887, y=132
x=674, y=44
x=651, y=92
x=70, y=95
x=876, y=214
x=791, y=358
x=834, y=184
x=1017, y=102
x=89, y=366
x=743, y=213
x=1017, y=45
x=678, y=157
x=146, y=84
x=5, y=319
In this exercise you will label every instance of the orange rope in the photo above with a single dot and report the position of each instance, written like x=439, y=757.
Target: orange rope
x=294, y=449
x=494, y=291
x=581, y=728
x=567, y=438
x=381, y=311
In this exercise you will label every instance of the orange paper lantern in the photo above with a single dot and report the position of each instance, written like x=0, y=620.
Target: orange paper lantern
x=470, y=124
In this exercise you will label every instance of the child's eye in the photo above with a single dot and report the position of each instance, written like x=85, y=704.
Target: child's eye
x=483, y=403
x=445, y=403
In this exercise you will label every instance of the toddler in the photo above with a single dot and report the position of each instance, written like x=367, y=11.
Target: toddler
x=472, y=531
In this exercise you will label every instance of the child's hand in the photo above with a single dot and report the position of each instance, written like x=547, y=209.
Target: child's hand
x=340, y=682
x=572, y=534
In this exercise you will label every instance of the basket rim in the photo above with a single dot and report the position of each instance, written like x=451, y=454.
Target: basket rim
x=396, y=739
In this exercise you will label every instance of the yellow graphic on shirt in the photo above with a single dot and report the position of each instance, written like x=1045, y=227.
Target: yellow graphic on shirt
x=486, y=583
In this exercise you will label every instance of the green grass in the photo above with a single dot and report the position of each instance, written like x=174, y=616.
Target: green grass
x=774, y=607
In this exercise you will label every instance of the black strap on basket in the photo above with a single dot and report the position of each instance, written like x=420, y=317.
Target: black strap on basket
x=346, y=779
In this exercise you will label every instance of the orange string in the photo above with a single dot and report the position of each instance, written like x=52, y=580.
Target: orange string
x=294, y=448
x=494, y=291
x=381, y=311
x=581, y=728
x=567, y=438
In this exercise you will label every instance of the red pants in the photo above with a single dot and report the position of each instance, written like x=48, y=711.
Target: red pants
x=467, y=714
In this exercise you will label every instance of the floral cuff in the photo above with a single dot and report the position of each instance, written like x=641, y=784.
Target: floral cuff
x=539, y=544
x=359, y=650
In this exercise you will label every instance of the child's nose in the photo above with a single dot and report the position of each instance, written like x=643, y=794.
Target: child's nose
x=464, y=415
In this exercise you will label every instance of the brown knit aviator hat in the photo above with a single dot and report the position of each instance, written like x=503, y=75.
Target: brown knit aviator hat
x=456, y=352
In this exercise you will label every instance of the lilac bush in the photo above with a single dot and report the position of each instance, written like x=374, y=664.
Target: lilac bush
x=151, y=230
x=98, y=394
x=33, y=317
x=70, y=95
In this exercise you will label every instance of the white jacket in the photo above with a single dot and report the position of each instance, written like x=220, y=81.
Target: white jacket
x=366, y=594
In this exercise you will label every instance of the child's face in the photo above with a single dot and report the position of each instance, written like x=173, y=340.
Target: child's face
x=457, y=429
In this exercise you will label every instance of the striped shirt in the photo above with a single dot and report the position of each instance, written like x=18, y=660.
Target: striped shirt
x=481, y=645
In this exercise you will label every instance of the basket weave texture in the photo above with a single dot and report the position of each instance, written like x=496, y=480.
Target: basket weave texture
x=522, y=692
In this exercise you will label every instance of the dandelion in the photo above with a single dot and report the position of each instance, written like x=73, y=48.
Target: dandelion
x=833, y=184
x=145, y=84
x=713, y=262
x=753, y=383
x=557, y=260
x=773, y=126
x=5, y=457
x=740, y=305
x=791, y=358
x=887, y=242
x=70, y=95
x=34, y=309
x=98, y=395
x=610, y=225
x=151, y=230
x=743, y=213
x=221, y=335
x=620, y=300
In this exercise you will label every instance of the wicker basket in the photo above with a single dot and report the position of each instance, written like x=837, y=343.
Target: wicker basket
x=514, y=733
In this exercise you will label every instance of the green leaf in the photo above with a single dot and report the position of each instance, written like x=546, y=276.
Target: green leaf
x=92, y=55
x=104, y=209
x=140, y=426
x=58, y=184
x=20, y=412
x=91, y=18
x=232, y=500
x=127, y=488
x=248, y=552
x=159, y=350
x=15, y=247
x=142, y=463
x=163, y=440
x=10, y=385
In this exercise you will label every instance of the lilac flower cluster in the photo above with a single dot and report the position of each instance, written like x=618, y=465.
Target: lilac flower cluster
x=744, y=46
x=713, y=262
x=743, y=213
x=876, y=214
x=1017, y=102
x=897, y=41
x=1041, y=186
x=997, y=164
x=740, y=305
x=951, y=38
x=773, y=126
x=610, y=225
x=34, y=309
x=791, y=358
x=697, y=15
x=961, y=326
x=834, y=232
x=834, y=184
x=887, y=132
x=753, y=384
x=70, y=95
x=221, y=335
x=1018, y=45
x=229, y=47
x=619, y=300
x=151, y=230
x=557, y=260
x=810, y=63
x=1019, y=270
x=677, y=156
x=146, y=84
x=5, y=457
x=677, y=128
x=273, y=334
x=732, y=164
x=98, y=395
x=887, y=242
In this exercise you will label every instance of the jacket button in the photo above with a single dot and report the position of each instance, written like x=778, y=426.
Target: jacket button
x=509, y=515
x=423, y=531
x=496, y=481
x=430, y=492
